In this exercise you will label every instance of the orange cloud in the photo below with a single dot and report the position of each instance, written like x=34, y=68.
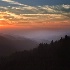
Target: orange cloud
x=9, y=20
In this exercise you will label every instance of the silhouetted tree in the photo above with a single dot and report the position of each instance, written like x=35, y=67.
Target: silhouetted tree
x=51, y=42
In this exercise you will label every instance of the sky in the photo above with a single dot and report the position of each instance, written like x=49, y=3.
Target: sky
x=35, y=14
x=35, y=19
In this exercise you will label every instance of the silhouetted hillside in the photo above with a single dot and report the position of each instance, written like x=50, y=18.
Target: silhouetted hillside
x=10, y=44
x=53, y=56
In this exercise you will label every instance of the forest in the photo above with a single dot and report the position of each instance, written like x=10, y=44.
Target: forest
x=53, y=56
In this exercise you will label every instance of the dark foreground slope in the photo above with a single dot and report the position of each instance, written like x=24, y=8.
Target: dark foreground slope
x=53, y=56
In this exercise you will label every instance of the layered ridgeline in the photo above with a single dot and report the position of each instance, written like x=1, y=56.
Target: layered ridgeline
x=10, y=44
x=53, y=56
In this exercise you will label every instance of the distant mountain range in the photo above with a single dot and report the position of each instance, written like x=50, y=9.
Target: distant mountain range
x=10, y=44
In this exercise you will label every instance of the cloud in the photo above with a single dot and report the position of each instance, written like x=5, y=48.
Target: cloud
x=12, y=2
x=1, y=7
x=58, y=9
x=45, y=9
x=55, y=9
x=21, y=14
x=16, y=13
x=66, y=6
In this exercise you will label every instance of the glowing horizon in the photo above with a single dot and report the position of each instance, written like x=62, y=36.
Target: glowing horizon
x=37, y=21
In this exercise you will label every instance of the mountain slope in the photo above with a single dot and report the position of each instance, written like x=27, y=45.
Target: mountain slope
x=53, y=56
x=10, y=44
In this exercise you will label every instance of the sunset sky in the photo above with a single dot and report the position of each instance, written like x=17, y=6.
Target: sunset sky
x=35, y=14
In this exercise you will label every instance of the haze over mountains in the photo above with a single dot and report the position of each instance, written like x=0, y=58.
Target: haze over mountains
x=10, y=44
x=19, y=40
x=37, y=35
